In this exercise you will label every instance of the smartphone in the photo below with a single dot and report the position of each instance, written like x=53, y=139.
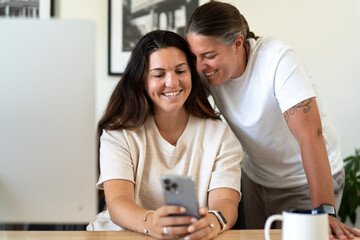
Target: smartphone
x=180, y=191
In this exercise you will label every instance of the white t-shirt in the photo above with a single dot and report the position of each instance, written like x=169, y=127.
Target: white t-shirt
x=207, y=151
x=253, y=104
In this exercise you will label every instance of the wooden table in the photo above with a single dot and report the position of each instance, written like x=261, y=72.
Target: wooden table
x=122, y=235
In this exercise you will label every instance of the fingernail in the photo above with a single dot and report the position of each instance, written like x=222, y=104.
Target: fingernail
x=193, y=220
x=191, y=229
x=182, y=209
x=187, y=238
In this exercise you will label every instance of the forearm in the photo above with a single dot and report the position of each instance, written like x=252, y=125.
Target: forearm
x=124, y=212
x=317, y=169
x=304, y=122
x=227, y=204
x=127, y=214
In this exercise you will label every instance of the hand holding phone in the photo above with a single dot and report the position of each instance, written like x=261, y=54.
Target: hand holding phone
x=180, y=191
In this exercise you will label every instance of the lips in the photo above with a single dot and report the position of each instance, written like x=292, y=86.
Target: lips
x=172, y=94
x=209, y=74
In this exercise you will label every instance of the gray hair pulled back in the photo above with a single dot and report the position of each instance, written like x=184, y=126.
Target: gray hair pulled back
x=219, y=20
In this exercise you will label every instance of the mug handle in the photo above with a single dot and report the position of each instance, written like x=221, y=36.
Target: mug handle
x=269, y=221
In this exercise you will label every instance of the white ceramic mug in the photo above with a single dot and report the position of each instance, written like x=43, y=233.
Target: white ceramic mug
x=300, y=225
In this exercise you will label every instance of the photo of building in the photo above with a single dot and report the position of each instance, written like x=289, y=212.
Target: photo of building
x=142, y=16
x=19, y=8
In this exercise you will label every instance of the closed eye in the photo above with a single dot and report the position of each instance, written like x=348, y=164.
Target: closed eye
x=210, y=57
x=181, y=68
x=160, y=75
x=209, y=54
x=181, y=71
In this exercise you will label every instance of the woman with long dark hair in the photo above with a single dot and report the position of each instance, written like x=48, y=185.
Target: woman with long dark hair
x=159, y=121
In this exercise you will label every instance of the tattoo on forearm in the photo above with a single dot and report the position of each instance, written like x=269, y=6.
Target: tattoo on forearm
x=304, y=105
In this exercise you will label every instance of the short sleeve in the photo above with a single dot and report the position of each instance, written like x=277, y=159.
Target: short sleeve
x=227, y=170
x=115, y=158
x=292, y=82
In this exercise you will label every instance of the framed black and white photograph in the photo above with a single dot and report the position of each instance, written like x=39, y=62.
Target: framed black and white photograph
x=27, y=8
x=129, y=20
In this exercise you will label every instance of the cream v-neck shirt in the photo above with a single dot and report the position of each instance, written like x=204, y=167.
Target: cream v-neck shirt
x=207, y=151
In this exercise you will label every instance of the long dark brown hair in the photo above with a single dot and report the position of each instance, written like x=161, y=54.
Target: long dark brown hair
x=220, y=20
x=129, y=104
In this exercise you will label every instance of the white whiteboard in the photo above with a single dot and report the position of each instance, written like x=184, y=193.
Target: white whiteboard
x=47, y=123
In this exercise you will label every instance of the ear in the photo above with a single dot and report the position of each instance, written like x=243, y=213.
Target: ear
x=238, y=44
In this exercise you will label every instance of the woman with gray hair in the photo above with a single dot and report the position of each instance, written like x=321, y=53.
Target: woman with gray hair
x=293, y=157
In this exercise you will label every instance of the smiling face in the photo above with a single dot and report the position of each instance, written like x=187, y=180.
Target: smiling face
x=168, y=80
x=219, y=62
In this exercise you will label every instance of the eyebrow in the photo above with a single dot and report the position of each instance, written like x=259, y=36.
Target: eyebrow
x=159, y=69
x=205, y=53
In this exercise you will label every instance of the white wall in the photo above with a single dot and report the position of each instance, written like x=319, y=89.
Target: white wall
x=97, y=11
x=325, y=33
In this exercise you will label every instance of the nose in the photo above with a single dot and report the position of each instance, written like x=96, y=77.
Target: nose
x=200, y=65
x=172, y=80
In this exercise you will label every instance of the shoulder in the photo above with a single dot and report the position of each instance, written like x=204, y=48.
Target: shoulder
x=208, y=122
x=211, y=127
x=111, y=135
x=121, y=135
x=215, y=135
x=269, y=45
x=267, y=53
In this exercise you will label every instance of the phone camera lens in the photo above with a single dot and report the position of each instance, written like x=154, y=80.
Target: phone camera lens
x=174, y=186
x=166, y=181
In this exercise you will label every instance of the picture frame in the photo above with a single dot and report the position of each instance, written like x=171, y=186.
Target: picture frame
x=129, y=20
x=27, y=9
x=47, y=8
